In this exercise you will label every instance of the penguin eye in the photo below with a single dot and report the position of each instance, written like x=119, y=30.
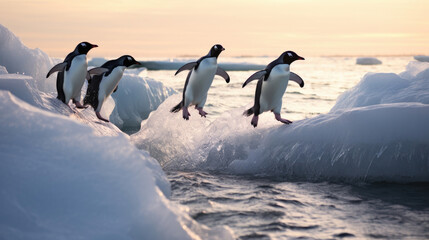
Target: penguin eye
x=129, y=59
x=215, y=47
x=83, y=45
x=290, y=54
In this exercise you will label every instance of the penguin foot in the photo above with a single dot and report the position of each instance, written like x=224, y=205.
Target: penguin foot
x=79, y=105
x=186, y=113
x=254, y=121
x=100, y=117
x=202, y=113
x=280, y=119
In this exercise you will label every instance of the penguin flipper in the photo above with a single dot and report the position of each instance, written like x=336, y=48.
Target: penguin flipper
x=294, y=77
x=257, y=75
x=116, y=88
x=95, y=71
x=188, y=66
x=60, y=82
x=223, y=74
x=57, y=68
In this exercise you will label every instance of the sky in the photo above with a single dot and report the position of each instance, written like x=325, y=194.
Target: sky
x=174, y=28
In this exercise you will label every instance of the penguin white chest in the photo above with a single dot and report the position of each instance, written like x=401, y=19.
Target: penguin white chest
x=274, y=88
x=108, y=84
x=75, y=77
x=201, y=80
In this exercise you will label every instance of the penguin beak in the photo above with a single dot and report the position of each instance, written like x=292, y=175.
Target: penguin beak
x=137, y=62
x=300, y=58
x=95, y=45
x=223, y=49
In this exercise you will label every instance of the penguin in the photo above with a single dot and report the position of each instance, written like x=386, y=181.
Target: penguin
x=104, y=80
x=71, y=74
x=199, y=80
x=272, y=84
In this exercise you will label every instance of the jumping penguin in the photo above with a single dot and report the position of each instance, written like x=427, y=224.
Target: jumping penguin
x=272, y=84
x=72, y=73
x=199, y=80
x=104, y=80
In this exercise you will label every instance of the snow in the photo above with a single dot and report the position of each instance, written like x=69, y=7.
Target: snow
x=368, y=61
x=422, y=58
x=135, y=98
x=18, y=58
x=377, y=131
x=59, y=180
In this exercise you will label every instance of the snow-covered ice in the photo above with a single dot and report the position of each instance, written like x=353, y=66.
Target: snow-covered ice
x=368, y=61
x=377, y=131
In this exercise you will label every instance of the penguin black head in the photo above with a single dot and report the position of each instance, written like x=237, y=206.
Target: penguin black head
x=127, y=61
x=216, y=50
x=289, y=56
x=84, y=47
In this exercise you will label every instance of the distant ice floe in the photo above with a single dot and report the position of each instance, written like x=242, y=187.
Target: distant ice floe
x=422, y=58
x=175, y=64
x=377, y=131
x=64, y=174
x=368, y=61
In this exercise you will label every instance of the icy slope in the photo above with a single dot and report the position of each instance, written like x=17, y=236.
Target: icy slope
x=377, y=131
x=59, y=180
x=135, y=98
x=18, y=58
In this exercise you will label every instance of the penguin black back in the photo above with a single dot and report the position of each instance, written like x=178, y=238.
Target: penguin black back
x=91, y=96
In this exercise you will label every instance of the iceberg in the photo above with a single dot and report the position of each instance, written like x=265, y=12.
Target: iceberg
x=377, y=131
x=368, y=61
x=135, y=98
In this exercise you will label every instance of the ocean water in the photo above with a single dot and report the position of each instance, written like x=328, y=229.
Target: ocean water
x=257, y=207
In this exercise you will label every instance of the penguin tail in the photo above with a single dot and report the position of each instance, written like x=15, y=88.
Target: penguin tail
x=249, y=112
x=177, y=108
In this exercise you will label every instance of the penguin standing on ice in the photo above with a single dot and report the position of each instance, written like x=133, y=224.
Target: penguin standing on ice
x=104, y=80
x=272, y=84
x=199, y=80
x=72, y=73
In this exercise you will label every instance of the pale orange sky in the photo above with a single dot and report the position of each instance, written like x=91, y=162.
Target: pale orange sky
x=156, y=28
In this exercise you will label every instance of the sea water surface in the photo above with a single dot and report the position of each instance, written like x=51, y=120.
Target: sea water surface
x=255, y=207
